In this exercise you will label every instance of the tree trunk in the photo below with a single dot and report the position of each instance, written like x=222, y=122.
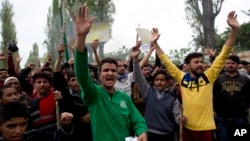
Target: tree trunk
x=208, y=20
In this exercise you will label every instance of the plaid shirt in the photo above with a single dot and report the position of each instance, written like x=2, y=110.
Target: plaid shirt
x=138, y=99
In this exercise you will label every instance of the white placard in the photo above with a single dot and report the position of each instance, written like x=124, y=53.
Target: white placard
x=130, y=139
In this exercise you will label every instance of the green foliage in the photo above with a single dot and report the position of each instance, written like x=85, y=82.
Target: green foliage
x=102, y=10
x=121, y=53
x=33, y=56
x=177, y=56
x=243, y=39
x=8, y=32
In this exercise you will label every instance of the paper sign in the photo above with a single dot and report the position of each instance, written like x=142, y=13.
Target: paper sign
x=145, y=47
x=98, y=31
x=144, y=34
x=130, y=139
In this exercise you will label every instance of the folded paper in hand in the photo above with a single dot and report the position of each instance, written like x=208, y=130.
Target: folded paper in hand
x=130, y=139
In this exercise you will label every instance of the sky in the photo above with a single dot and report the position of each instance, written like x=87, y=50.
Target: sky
x=30, y=20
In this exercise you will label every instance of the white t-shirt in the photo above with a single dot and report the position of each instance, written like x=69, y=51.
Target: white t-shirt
x=125, y=84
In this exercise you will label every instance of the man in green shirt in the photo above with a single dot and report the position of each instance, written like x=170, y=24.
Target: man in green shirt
x=113, y=114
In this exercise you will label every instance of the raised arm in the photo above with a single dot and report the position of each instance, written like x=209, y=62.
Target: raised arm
x=83, y=24
x=138, y=76
x=82, y=27
x=60, y=50
x=171, y=67
x=18, y=60
x=233, y=23
x=220, y=60
x=94, y=46
x=145, y=59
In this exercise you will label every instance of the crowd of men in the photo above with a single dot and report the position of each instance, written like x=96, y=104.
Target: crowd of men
x=195, y=101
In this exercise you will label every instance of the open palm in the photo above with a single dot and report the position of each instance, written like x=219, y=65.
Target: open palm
x=154, y=35
x=232, y=20
x=135, y=52
x=83, y=23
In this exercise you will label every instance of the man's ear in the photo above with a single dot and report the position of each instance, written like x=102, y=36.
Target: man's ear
x=188, y=66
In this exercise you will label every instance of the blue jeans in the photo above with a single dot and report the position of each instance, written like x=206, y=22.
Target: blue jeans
x=225, y=126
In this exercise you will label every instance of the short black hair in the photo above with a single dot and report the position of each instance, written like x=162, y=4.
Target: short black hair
x=191, y=56
x=146, y=65
x=70, y=74
x=41, y=75
x=234, y=58
x=244, y=62
x=108, y=60
x=94, y=69
x=4, y=88
x=162, y=72
x=46, y=69
x=13, y=110
x=3, y=69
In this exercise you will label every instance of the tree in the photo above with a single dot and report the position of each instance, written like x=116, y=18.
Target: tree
x=53, y=30
x=102, y=10
x=243, y=39
x=33, y=56
x=200, y=15
x=177, y=56
x=8, y=27
x=121, y=53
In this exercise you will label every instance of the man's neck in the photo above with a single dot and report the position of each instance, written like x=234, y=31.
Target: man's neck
x=109, y=90
x=41, y=95
x=193, y=75
x=231, y=74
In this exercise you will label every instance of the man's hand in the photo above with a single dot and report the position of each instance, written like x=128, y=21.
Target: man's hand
x=232, y=20
x=71, y=61
x=31, y=65
x=211, y=52
x=72, y=44
x=94, y=45
x=155, y=35
x=135, y=52
x=18, y=59
x=142, y=137
x=57, y=95
x=61, y=49
x=86, y=118
x=82, y=23
x=2, y=56
x=49, y=57
x=66, y=118
x=183, y=119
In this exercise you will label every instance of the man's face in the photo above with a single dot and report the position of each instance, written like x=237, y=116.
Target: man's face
x=121, y=68
x=73, y=84
x=95, y=43
x=184, y=68
x=231, y=66
x=42, y=86
x=3, y=75
x=14, y=129
x=145, y=72
x=205, y=66
x=10, y=95
x=92, y=74
x=160, y=82
x=108, y=75
x=195, y=66
x=248, y=68
x=14, y=83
